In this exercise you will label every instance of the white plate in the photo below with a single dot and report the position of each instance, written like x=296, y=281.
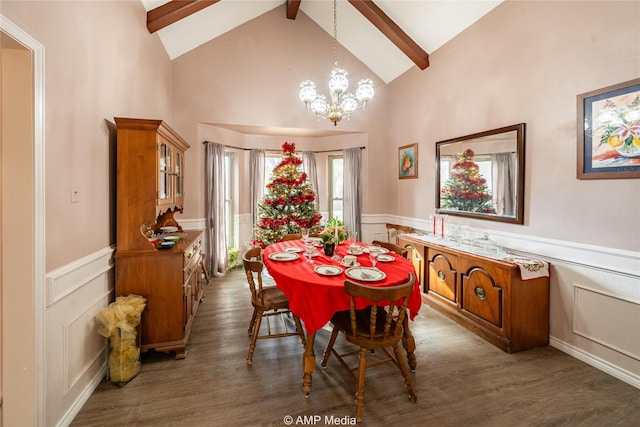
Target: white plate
x=168, y=229
x=355, y=264
x=385, y=258
x=293, y=249
x=328, y=270
x=353, y=253
x=380, y=250
x=365, y=274
x=283, y=256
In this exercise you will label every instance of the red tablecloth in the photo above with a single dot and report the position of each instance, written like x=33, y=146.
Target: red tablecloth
x=314, y=298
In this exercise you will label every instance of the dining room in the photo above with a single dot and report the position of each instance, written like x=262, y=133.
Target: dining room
x=505, y=147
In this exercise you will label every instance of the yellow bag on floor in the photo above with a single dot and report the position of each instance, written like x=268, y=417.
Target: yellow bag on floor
x=119, y=322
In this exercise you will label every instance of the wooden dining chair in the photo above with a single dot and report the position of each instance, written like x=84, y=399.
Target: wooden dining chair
x=268, y=302
x=374, y=328
x=403, y=252
x=296, y=236
x=395, y=230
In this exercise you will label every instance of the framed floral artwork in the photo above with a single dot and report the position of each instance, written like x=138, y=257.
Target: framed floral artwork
x=408, y=161
x=609, y=132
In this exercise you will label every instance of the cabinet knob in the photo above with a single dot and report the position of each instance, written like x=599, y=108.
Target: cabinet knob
x=480, y=293
x=441, y=275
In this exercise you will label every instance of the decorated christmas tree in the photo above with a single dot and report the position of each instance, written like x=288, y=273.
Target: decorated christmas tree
x=290, y=203
x=466, y=189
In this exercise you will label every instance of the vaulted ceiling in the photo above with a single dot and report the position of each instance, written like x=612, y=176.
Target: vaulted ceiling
x=388, y=36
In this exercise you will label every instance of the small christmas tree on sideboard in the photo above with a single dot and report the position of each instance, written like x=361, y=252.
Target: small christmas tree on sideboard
x=466, y=189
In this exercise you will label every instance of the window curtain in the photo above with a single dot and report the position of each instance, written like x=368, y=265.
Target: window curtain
x=215, y=229
x=309, y=166
x=256, y=179
x=353, y=190
x=504, y=181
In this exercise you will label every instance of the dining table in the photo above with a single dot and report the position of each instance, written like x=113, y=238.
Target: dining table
x=315, y=290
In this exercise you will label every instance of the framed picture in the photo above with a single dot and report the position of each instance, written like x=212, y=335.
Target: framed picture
x=609, y=132
x=408, y=161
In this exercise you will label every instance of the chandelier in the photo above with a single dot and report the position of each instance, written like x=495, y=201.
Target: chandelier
x=342, y=104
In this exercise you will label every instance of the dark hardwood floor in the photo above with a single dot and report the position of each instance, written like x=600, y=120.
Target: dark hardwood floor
x=461, y=380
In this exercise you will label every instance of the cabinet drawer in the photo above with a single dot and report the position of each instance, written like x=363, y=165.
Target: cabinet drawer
x=442, y=275
x=191, y=267
x=192, y=251
x=483, y=290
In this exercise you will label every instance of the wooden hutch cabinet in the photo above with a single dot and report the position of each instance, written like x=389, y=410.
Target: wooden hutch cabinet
x=150, y=190
x=485, y=295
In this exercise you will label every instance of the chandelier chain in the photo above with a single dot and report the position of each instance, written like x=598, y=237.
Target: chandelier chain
x=335, y=33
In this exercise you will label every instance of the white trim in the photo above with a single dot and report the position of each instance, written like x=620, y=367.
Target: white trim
x=193, y=224
x=39, y=254
x=630, y=323
x=66, y=279
x=596, y=362
x=93, y=385
x=590, y=256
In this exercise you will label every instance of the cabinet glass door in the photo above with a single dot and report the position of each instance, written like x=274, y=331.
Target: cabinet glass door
x=165, y=188
x=179, y=166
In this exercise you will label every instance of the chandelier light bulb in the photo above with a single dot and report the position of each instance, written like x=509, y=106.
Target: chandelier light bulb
x=338, y=82
x=319, y=105
x=349, y=103
x=307, y=92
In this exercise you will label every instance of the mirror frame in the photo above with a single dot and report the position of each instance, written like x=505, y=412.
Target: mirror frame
x=520, y=151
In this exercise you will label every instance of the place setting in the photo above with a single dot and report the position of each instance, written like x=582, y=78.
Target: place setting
x=283, y=256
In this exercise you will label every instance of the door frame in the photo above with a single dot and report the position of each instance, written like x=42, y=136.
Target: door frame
x=39, y=252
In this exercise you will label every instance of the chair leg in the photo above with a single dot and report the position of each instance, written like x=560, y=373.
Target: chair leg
x=362, y=366
x=405, y=373
x=409, y=344
x=254, y=337
x=327, y=352
x=300, y=331
x=253, y=321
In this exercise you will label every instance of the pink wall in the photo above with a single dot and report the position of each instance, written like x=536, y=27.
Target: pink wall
x=251, y=76
x=526, y=62
x=101, y=62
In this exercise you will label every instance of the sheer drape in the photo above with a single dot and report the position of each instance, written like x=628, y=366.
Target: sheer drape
x=353, y=190
x=215, y=218
x=309, y=166
x=256, y=179
x=504, y=181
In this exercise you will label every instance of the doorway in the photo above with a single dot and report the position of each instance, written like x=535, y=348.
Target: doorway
x=22, y=251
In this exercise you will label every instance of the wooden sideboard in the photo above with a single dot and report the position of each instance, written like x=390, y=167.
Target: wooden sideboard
x=150, y=174
x=484, y=294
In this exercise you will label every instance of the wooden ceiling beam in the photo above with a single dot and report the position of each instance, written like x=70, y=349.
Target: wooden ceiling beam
x=392, y=31
x=175, y=10
x=292, y=8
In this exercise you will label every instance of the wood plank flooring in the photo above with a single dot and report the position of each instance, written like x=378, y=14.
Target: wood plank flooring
x=461, y=380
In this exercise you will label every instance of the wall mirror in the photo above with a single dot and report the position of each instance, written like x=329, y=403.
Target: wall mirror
x=482, y=175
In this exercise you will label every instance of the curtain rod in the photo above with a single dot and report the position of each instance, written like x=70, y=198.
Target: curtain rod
x=277, y=151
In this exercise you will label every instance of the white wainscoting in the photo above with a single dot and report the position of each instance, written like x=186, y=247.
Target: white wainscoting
x=75, y=354
x=594, y=298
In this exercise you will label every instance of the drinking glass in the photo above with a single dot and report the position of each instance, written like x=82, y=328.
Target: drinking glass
x=373, y=255
x=305, y=235
x=309, y=249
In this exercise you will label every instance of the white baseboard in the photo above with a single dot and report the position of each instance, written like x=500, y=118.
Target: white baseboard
x=596, y=362
x=83, y=398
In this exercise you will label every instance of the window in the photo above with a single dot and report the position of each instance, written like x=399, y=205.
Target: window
x=270, y=163
x=484, y=168
x=228, y=197
x=336, y=183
